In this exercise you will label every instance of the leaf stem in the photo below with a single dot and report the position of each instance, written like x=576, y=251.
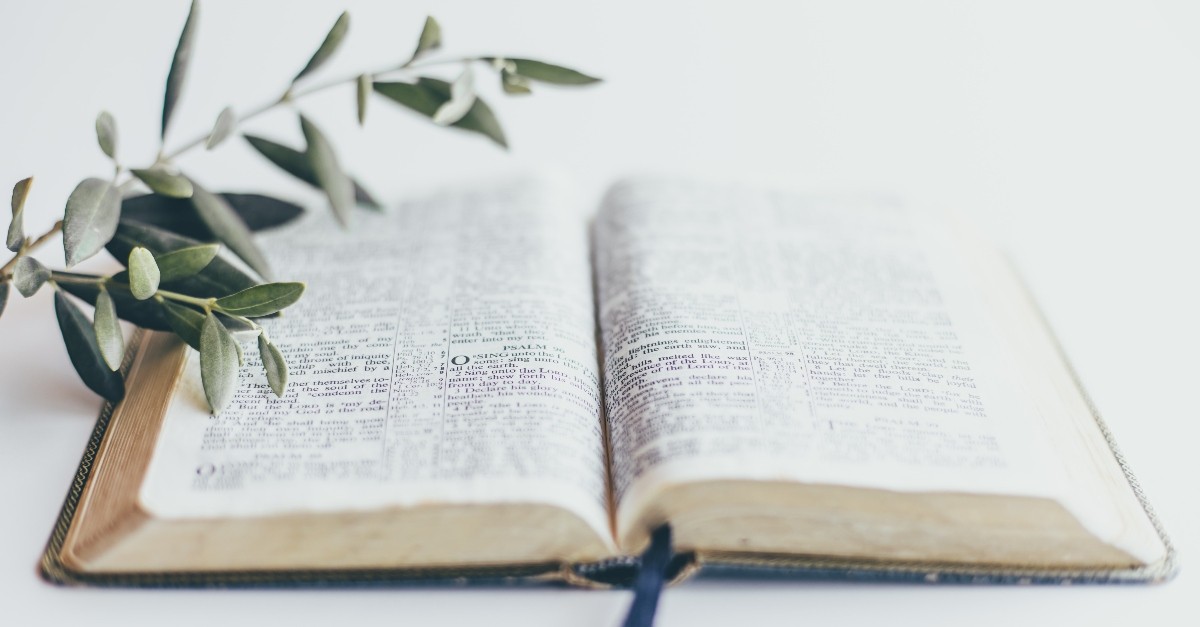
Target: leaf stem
x=205, y=303
x=291, y=95
x=108, y=282
x=74, y=277
x=124, y=186
x=28, y=248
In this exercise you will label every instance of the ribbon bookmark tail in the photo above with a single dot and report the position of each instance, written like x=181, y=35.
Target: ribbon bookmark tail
x=650, y=579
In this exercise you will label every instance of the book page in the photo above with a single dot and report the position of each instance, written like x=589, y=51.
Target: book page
x=444, y=352
x=761, y=335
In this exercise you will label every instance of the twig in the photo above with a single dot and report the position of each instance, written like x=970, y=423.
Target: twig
x=42, y=239
x=292, y=96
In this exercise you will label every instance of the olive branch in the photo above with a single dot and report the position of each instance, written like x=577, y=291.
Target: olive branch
x=174, y=239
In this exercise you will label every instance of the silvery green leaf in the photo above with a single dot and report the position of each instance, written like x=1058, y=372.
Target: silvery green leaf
x=219, y=278
x=90, y=219
x=186, y=322
x=325, y=166
x=3, y=296
x=109, y=337
x=144, y=313
x=185, y=262
x=514, y=83
x=427, y=95
x=240, y=354
x=229, y=228
x=364, y=92
x=329, y=46
x=143, y=273
x=548, y=72
x=462, y=98
x=430, y=39
x=164, y=182
x=261, y=300
x=84, y=352
x=29, y=276
x=226, y=122
x=295, y=163
x=179, y=65
x=16, y=229
x=106, y=134
x=274, y=365
x=218, y=363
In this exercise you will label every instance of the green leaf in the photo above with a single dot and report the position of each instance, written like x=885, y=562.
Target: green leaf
x=218, y=363
x=143, y=273
x=514, y=83
x=185, y=262
x=480, y=119
x=106, y=134
x=364, y=92
x=285, y=158
x=186, y=322
x=462, y=97
x=411, y=95
x=364, y=198
x=3, y=296
x=84, y=352
x=29, y=276
x=295, y=163
x=324, y=164
x=163, y=182
x=273, y=364
x=90, y=220
x=144, y=313
x=428, y=94
x=148, y=314
x=547, y=72
x=179, y=66
x=179, y=216
x=109, y=337
x=329, y=46
x=219, y=278
x=430, y=39
x=261, y=300
x=229, y=228
x=223, y=128
x=16, y=229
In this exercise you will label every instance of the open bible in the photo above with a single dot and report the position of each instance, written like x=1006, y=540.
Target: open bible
x=493, y=383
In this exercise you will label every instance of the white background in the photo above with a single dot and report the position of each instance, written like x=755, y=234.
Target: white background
x=1069, y=131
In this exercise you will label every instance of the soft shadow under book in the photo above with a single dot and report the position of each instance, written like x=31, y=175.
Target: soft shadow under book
x=495, y=384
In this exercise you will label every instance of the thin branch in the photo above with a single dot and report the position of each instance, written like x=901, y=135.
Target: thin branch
x=205, y=303
x=291, y=96
x=25, y=250
x=108, y=282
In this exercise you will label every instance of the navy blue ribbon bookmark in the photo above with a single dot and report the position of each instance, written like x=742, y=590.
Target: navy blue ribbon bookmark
x=650, y=579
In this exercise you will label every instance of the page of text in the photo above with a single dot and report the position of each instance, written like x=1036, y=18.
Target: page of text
x=444, y=352
x=761, y=335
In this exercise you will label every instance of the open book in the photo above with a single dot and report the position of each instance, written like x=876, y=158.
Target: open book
x=493, y=383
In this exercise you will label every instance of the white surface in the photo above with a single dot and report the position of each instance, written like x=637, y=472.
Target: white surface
x=1068, y=130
